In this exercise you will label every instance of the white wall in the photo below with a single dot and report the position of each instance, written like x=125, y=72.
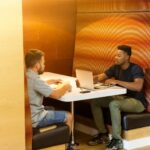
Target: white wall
x=12, y=126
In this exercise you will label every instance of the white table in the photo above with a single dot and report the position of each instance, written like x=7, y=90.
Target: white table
x=75, y=94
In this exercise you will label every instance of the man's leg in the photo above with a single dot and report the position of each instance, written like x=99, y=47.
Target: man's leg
x=69, y=119
x=54, y=117
x=96, y=106
x=124, y=104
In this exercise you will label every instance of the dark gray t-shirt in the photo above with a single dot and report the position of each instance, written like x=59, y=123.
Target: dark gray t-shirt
x=37, y=89
x=132, y=72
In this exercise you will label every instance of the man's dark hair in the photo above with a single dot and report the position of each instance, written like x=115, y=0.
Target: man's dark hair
x=32, y=57
x=125, y=48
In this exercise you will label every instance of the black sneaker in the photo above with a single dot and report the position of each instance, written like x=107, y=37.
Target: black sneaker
x=99, y=139
x=72, y=147
x=115, y=144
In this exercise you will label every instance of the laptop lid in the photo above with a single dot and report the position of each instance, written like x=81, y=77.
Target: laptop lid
x=85, y=78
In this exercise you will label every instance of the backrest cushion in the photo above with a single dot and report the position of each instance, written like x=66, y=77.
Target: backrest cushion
x=147, y=87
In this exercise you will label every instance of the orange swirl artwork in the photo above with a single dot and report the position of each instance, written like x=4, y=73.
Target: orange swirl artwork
x=97, y=40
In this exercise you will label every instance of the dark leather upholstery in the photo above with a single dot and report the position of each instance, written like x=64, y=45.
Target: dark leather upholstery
x=59, y=135
x=133, y=121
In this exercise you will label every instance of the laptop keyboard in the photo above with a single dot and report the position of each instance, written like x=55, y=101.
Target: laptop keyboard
x=101, y=86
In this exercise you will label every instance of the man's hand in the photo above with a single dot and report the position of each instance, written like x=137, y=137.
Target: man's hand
x=95, y=79
x=54, y=81
x=61, y=89
x=67, y=86
x=100, y=77
x=77, y=83
x=111, y=81
x=136, y=85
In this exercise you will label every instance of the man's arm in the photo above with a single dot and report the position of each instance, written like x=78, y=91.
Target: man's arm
x=101, y=77
x=136, y=85
x=60, y=90
x=54, y=81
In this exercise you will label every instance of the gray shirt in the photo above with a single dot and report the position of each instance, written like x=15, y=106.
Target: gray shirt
x=37, y=89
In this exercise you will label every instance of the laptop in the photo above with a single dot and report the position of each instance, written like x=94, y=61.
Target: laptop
x=85, y=79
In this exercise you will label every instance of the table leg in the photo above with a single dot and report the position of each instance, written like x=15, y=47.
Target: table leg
x=74, y=145
x=72, y=130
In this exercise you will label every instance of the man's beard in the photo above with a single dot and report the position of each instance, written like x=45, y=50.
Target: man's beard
x=119, y=63
x=40, y=71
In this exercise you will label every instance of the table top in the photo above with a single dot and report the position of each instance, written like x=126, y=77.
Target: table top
x=76, y=95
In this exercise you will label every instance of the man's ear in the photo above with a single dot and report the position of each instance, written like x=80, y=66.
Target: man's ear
x=37, y=66
x=127, y=57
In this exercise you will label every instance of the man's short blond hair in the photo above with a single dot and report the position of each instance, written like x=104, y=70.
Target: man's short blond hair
x=32, y=57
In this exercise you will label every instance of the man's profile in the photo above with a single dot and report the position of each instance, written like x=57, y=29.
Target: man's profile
x=38, y=89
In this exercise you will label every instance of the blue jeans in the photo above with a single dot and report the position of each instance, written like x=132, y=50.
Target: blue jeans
x=53, y=117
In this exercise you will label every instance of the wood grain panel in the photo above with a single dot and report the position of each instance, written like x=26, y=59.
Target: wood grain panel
x=112, y=5
x=28, y=124
x=136, y=133
x=49, y=25
x=96, y=40
x=12, y=124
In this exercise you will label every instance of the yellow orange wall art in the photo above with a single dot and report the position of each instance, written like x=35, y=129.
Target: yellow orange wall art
x=96, y=43
x=101, y=29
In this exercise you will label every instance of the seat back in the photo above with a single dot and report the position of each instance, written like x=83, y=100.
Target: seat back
x=28, y=124
x=147, y=87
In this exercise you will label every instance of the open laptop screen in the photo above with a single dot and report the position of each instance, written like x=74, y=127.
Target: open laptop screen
x=85, y=78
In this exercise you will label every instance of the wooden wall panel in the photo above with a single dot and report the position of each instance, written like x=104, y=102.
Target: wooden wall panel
x=98, y=36
x=112, y=5
x=103, y=24
x=12, y=124
x=49, y=25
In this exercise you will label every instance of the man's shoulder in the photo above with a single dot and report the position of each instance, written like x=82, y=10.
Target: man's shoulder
x=137, y=70
x=135, y=66
x=32, y=75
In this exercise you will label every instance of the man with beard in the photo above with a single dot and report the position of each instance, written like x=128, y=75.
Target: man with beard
x=37, y=89
x=126, y=74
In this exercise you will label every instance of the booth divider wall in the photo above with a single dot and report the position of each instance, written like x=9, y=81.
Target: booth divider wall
x=12, y=111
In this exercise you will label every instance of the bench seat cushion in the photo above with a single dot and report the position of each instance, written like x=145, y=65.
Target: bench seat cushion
x=56, y=136
x=133, y=121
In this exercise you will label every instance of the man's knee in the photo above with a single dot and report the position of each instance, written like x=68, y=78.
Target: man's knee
x=93, y=102
x=114, y=104
x=96, y=102
x=69, y=117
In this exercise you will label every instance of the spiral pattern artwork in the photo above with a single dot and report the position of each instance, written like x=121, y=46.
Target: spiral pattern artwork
x=96, y=43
